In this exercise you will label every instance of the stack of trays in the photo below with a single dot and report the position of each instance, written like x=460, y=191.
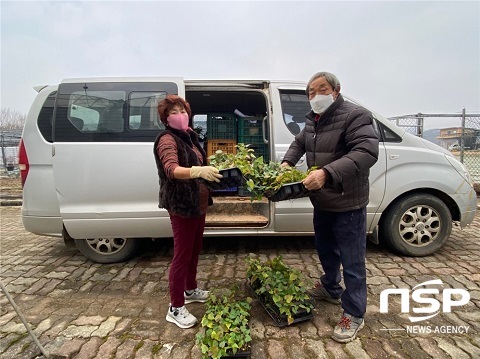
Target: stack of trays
x=289, y=191
x=232, y=177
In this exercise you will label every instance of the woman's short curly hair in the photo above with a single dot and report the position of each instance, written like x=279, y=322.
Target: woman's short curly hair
x=165, y=105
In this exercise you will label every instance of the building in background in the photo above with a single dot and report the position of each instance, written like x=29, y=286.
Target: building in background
x=451, y=138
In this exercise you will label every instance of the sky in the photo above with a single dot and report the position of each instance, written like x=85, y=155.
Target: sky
x=394, y=57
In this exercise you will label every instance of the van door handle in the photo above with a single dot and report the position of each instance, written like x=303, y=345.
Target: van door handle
x=264, y=128
x=394, y=157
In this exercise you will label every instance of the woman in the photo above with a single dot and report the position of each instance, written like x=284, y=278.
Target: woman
x=180, y=161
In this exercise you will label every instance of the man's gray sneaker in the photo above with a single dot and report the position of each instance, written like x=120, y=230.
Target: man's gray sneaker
x=198, y=295
x=319, y=292
x=347, y=329
x=181, y=317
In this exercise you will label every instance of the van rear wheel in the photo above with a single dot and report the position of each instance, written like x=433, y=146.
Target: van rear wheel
x=107, y=250
x=416, y=225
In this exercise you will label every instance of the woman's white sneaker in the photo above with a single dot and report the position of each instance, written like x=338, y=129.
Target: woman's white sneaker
x=197, y=295
x=181, y=317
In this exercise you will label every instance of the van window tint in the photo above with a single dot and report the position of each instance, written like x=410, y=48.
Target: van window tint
x=143, y=112
x=83, y=118
x=109, y=112
x=97, y=111
x=45, y=118
x=200, y=126
x=386, y=135
x=295, y=106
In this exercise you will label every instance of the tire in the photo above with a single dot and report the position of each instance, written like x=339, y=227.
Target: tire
x=107, y=250
x=417, y=225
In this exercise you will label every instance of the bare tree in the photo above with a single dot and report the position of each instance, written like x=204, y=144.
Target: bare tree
x=12, y=119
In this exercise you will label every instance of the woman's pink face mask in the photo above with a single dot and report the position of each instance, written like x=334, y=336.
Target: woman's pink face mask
x=178, y=121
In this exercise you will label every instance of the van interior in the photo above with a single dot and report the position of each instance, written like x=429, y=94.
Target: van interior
x=224, y=118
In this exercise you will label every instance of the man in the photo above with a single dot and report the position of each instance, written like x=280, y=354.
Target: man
x=340, y=140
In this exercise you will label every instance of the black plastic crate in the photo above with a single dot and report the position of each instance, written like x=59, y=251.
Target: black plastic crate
x=232, y=177
x=221, y=126
x=289, y=191
x=246, y=354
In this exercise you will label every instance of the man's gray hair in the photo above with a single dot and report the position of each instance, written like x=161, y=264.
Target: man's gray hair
x=331, y=79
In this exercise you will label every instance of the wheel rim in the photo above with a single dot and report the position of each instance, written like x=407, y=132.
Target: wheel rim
x=420, y=226
x=106, y=246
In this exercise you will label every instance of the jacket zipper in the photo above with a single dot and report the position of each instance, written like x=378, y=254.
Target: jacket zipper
x=315, y=127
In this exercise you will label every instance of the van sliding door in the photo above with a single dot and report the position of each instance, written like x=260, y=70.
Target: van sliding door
x=104, y=168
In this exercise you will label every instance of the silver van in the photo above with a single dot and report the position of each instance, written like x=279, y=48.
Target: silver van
x=89, y=173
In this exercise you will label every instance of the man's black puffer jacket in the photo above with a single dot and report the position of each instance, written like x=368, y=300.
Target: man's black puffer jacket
x=344, y=143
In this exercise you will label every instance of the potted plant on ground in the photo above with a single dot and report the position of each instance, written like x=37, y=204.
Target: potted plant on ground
x=226, y=333
x=280, y=289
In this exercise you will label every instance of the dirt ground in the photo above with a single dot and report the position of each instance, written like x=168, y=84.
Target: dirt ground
x=10, y=185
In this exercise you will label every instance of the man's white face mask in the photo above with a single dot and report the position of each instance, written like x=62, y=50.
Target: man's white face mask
x=321, y=102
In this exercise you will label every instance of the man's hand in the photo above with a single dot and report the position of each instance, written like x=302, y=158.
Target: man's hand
x=206, y=172
x=315, y=180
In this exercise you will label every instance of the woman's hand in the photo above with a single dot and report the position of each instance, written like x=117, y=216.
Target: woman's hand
x=208, y=173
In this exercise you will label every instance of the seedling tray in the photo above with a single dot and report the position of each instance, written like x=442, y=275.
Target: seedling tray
x=232, y=177
x=289, y=191
x=280, y=319
x=239, y=354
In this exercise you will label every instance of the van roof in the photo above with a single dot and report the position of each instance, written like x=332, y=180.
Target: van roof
x=178, y=79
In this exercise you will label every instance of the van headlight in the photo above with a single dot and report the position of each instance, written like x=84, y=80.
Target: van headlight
x=460, y=168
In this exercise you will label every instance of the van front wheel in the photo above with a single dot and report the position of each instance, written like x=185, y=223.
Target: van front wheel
x=107, y=250
x=417, y=225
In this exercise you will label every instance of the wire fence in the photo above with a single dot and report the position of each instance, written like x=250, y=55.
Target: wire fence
x=458, y=133
x=9, y=141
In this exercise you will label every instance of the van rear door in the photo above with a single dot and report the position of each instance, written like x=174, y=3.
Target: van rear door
x=104, y=169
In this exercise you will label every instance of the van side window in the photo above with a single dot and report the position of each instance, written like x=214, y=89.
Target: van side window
x=295, y=106
x=109, y=111
x=386, y=135
x=100, y=111
x=199, y=124
x=45, y=118
x=143, y=112
x=83, y=118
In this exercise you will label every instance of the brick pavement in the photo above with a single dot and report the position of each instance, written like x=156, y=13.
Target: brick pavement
x=79, y=309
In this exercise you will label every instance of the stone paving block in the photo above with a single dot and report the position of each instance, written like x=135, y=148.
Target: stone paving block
x=374, y=348
x=109, y=348
x=4, y=319
x=430, y=347
x=464, y=344
x=182, y=350
x=127, y=349
x=335, y=349
x=410, y=348
x=69, y=348
x=276, y=349
x=355, y=349
x=394, y=348
x=89, y=349
x=145, y=350
x=317, y=347
x=451, y=349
